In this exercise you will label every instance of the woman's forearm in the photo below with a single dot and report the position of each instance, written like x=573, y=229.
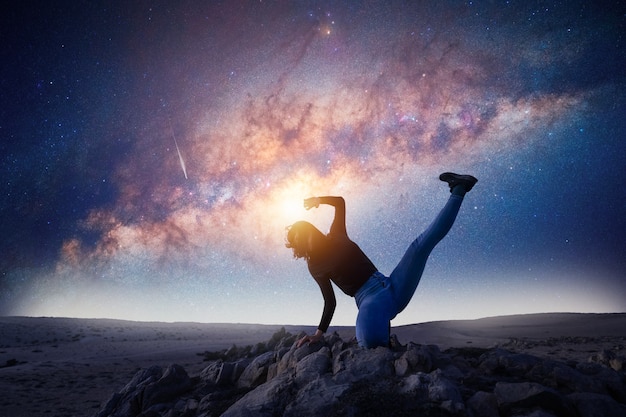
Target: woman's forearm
x=332, y=201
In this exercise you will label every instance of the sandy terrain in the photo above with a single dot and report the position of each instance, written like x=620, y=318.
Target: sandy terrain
x=71, y=367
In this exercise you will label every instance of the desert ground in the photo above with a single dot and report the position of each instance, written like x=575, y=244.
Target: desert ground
x=70, y=367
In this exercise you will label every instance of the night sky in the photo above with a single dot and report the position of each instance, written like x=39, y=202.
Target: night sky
x=152, y=153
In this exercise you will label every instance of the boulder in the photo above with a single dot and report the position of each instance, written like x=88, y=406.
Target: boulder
x=355, y=364
x=320, y=397
x=417, y=358
x=256, y=372
x=560, y=375
x=596, y=405
x=313, y=366
x=174, y=382
x=483, y=404
x=265, y=399
x=210, y=374
x=294, y=355
x=230, y=372
x=149, y=389
x=416, y=385
x=503, y=362
x=442, y=390
x=433, y=388
x=529, y=395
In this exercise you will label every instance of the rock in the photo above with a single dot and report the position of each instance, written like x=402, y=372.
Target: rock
x=558, y=375
x=127, y=403
x=356, y=364
x=257, y=349
x=272, y=371
x=612, y=383
x=294, y=355
x=483, y=404
x=281, y=339
x=230, y=372
x=174, y=382
x=333, y=338
x=191, y=405
x=537, y=413
x=210, y=373
x=417, y=358
x=435, y=388
x=604, y=357
x=143, y=378
x=442, y=389
x=112, y=406
x=453, y=373
x=318, y=398
x=265, y=399
x=278, y=354
x=617, y=363
x=528, y=395
x=256, y=372
x=313, y=366
x=337, y=347
x=608, y=359
x=147, y=390
x=217, y=402
x=514, y=364
x=226, y=373
x=597, y=405
x=401, y=366
x=416, y=385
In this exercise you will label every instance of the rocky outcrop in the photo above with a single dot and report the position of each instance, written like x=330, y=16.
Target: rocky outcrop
x=337, y=378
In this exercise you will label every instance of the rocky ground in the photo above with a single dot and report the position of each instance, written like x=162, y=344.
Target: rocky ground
x=336, y=377
x=68, y=367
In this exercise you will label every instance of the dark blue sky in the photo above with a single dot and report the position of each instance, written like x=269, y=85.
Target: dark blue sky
x=152, y=153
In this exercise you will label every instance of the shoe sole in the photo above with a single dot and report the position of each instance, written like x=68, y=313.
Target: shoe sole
x=457, y=178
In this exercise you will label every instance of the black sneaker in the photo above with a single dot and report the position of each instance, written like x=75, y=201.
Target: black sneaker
x=467, y=181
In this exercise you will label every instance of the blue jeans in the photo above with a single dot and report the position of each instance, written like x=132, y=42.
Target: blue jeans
x=381, y=298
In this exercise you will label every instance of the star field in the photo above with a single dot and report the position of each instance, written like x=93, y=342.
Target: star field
x=153, y=154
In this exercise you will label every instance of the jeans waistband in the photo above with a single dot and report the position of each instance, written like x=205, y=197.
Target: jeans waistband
x=375, y=282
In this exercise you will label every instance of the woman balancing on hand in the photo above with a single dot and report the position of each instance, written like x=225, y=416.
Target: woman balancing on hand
x=334, y=257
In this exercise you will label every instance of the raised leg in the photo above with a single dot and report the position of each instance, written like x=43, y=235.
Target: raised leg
x=406, y=276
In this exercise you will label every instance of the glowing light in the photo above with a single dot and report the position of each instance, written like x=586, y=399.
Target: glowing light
x=291, y=208
x=287, y=200
x=284, y=203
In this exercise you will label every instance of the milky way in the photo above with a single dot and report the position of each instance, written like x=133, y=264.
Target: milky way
x=153, y=154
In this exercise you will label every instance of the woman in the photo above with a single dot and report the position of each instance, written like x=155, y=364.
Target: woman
x=334, y=257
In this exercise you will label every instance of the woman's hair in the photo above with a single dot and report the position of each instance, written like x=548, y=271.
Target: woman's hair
x=297, y=238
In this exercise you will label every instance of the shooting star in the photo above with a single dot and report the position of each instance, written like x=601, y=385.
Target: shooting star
x=180, y=156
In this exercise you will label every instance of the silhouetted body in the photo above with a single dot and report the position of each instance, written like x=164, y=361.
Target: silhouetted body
x=337, y=259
